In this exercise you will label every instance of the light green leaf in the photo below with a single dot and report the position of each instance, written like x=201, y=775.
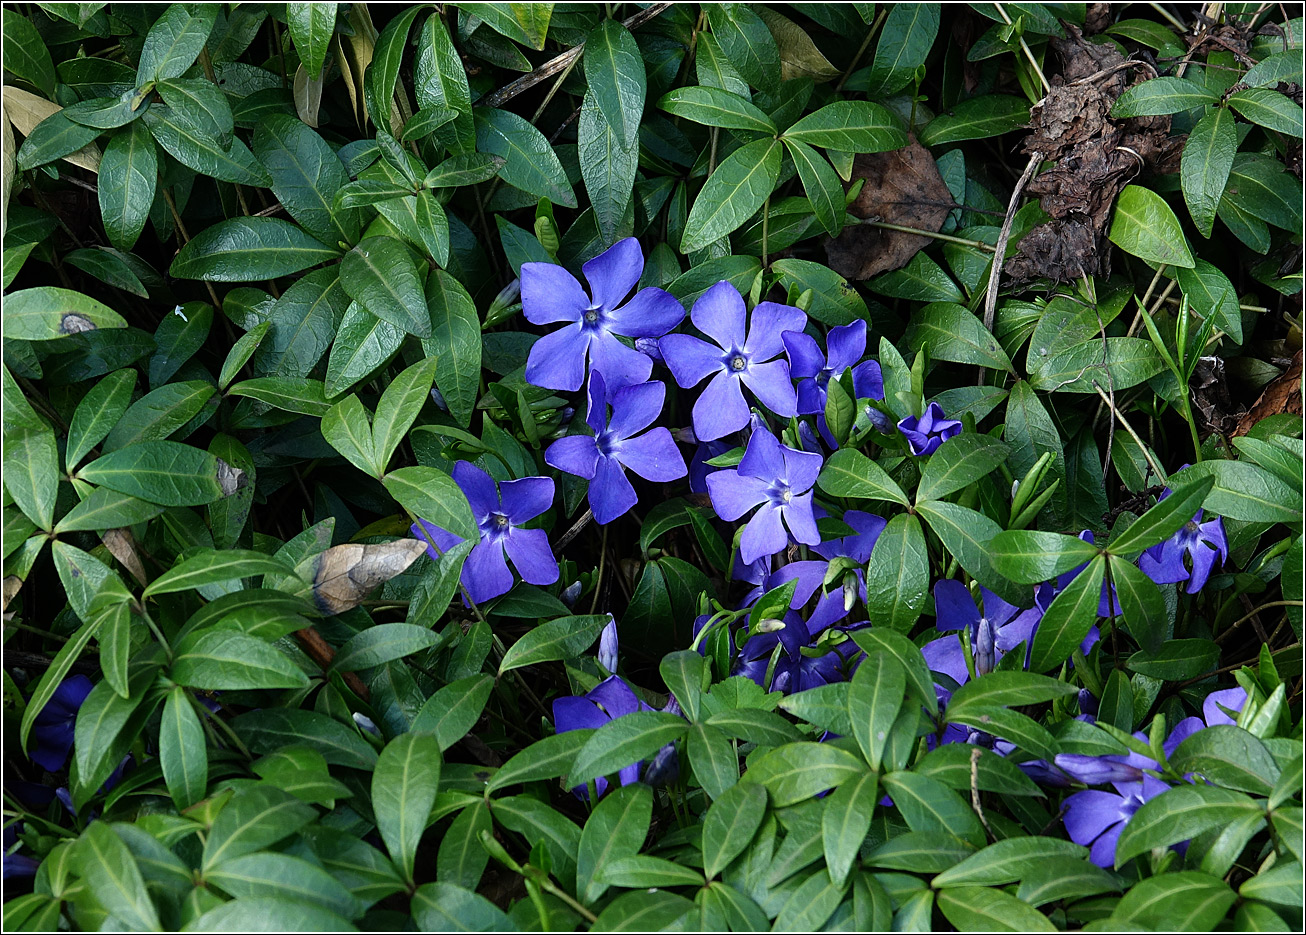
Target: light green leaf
x=404, y=785
x=1144, y=226
x=732, y=194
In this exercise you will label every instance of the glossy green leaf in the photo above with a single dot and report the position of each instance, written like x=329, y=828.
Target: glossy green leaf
x=253, y=819
x=174, y=42
x=269, y=729
x=112, y=874
x=982, y=909
x=447, y=907
x=106, y=509
x=1229, y=757
x=547, y=758
x=431, y=494
x=562, y=638
x=1204, y=167
x=227, y=660
x=1143, y=225
x=953, y=333
x=966, y=534
x=529, y=161
x=311, y=27
x=928, y=805
x=1031, y=557
x=128, y=173
x=873, y=702
x=977, y=119
x=44, y=313
x=1164, y=519
x=845, y=821
x=381, y=275
x=159, y=413
x=1268, y=108
x=623, y=741
x=737, y=188
x=26, y=54
x=1176, y=660
x=31, y=472
x=162, y=472
x=729, y=825
x=1067, y=621
x=381, y=643
x=1165, y=95
x=615, y=829
x=1186, y=901
x=821, y=185
x=285, y=878
x=214, y=567
x=1244, y=491
x=746, y=43
x=183, y=751
x=798, y=771
x=849, y=126
x=249, y=249
x=455, y=344
x=714, y=107
x=306, y=175
x=404, y=784
x=849, y=473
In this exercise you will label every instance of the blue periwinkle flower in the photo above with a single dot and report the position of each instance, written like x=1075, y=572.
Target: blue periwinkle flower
x=926, y=434
x=777, y=478
x=735, y=361
x=52, y=730
x=551, y=294
x=1201, y=542
x=603, y=458
x=499, y=510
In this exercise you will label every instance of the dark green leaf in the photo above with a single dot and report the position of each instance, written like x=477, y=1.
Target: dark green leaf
x=615, y=829
x=876, y=692
x=714, y=107
x=1163, y=520
x=977, y=118
x=174, y=42
x=1143, y=225
x=982, y=909
x=446, y=907
x=1244, y=492
x=737, y=188
x=954, y=333
x=1176, y=660
x=1163, y=95
x=845, y=822
x=849, y=126
x=190, y=145
x=306, y=175
x=113, y=876
x=1030, y=557
x=849, y=473
x=162, y=472
x=822, y=186
x=269, y=729
x=381, y=643
x=1268, y=108
x=1068, y=620
x=404, y=784
x=958, y=462
x=249, y=249
x=1204, y=167
x=529, y=161
x=431, y=494
x=254, y=818
x=381, y=275
x=746, y=42
x=311, y=27
x=44, y=313
x=455, y=344
x=26, y=54
x=730, y=824
x=128, y=173
x=1186, y=901
x=183, y=752
x=1230, y=757
x=227, y=660
x=798, y=771
x=454, y=710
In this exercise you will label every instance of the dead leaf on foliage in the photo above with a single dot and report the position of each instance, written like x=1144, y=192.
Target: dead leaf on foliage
x=122, y=546
x=346, y=573
x=902, y=187
x=798, y=53
x=1283, y=394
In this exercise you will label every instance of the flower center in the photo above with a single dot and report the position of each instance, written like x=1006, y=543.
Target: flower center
x=738, y=363
x=591, y=316
x=500, y=521
x=1192, y=528
x=781, y=494
x=497, y=525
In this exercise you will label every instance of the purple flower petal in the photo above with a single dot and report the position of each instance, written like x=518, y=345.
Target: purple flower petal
x=868, y=381
x=634, y=407
x=527, y=498
x=845, y=345
x=653, y=456
x=479, y=488
x=945, y=655
x=734, y=494
x=1235, y=699
x=531, y=555
x=770, y=320
x=615, y=697
x=557, y=360
x=613, y=273
x=720, y=408
x=954, y=608
x=805, y=357
x=429, y=532
x=620, y=365
x=690, y=359
x=610, y=494
x=798, y=517
x=549, y=293
x=801, y=468
x=1092, y=812
x=570, y=713
x=764, y=534
x=763, y=457
x=811, y=398
x=650, y=313
x=485, y=574
x=608, y=646
x=719, y=313
x=575, y=454
x=771, y=384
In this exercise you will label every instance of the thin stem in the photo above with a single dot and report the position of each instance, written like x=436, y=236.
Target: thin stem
x=861, y=50
x=1033, y=62
x=1156, y=470
x=948, y=238
x=598, y=580
x=766, y=218
x=1241, y=620
x=1169, y=16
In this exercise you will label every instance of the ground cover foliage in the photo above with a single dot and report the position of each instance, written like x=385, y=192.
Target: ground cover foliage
x=559, y=466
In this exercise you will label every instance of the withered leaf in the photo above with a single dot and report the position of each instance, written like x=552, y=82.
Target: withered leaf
x=903, y=187
x=344, y=574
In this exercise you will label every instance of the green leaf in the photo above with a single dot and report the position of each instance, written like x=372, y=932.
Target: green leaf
x=849, y=473
x=404, y=784
x=798, y=771
x=194, y=148
x=738, y=187
x=642, y=870
x=303, y=323
x=455, y=344
x=441, y=81
x=228, y=660
x=547, y=758
x=57, y=137
x=851, y=127
x=380, y=644
x=1128, y=361
x=1268, y=108
x=306, y=175
x=747, y=43
x=267, y=730
x=59, y=668
x=1030, y=557
x=289, y=394
x=834, y=301
x=1008, y=689
x=608, y=166
x=730, y=824
x=381, y=75
x=431, y=494
x=1280, y=885
x=1144, y=226
x=115, y=646
x=953, y=333
x=959, y=462
x=622, y=741
x=454, y=710
x=1067, y=621
x=821, y=185
x=112, y=875
x=966, y=535
x=909, y=658
x=254, y=818
x=1007, y=861
x=127, y=178
x=1159, y=96
x=447, y=907
x=159, y=413
x=976, y=119
x=845, y=821
x=241, y=351
x=683, y=673
x=215, y=567
x=183, y=751
x=1064, y=878
x=347, y=428
x=981, y=909
x=927, y=804
x=174, y=42
x=1151, y=34
x=286, y=878
x=714, y=107
x=614, y=72
x=279, y=913
x=562, y=638
x=1163, y=520
x=203, y=104
x=1176, y=660
x=47, y=312
x=400, y=403
x=1031, y=433
x=755, y=725
x=107, y=725
x=249, y=249
x=31, y=471
x=1204, y=167
x=462, y=858
x=463, y=169
x=1244, y=492
x=311, y=27
x=26, y=54
x=905, y=40
x=1186, y=901
x=1013, y=726
x=363, y=343
x=615, y=829
x=162, y=472
x=713, y=757
x=105, y=509
x=1230, y=757
x=381, y=276
x=529, y=161
x=873, y=702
